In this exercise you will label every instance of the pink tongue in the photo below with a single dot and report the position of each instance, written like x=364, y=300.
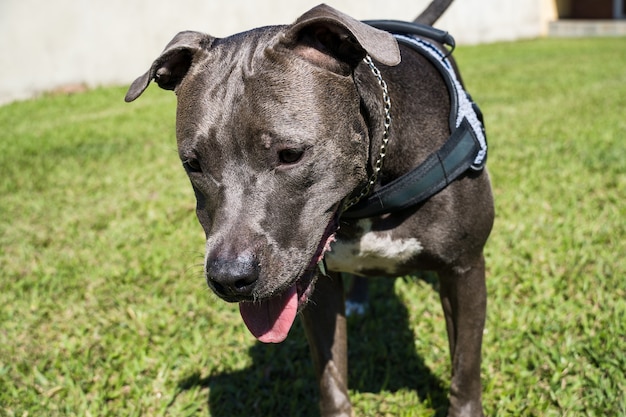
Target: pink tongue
x=270, y=320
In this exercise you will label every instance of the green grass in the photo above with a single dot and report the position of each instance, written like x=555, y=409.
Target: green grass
x=104, y=310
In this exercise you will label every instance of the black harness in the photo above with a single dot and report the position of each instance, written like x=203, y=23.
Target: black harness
x=465, y=149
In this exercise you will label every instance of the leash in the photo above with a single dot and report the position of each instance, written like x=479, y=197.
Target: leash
x=465, y=149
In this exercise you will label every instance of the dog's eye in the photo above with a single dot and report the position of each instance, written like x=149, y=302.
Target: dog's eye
x=192, y=165
x=290, y=156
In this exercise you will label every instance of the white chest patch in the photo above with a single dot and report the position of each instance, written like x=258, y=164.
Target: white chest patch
x=372, y=251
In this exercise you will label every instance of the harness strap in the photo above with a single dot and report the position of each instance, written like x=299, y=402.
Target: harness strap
x=427, y=179
x=465, y=149
x=399, y=26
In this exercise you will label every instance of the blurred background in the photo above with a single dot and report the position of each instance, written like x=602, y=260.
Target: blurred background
x=70, y=45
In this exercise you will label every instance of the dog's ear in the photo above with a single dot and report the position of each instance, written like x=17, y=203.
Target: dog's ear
x=331, y=39
x=169, y=69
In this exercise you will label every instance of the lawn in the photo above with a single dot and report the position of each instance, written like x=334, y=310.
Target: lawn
x=104, y=310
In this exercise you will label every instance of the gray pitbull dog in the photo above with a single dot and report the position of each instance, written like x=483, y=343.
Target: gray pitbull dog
x=281, y=129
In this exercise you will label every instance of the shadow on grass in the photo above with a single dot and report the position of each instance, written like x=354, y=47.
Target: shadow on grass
x=281, y=381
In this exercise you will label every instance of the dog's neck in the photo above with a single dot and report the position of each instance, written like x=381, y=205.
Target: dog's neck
x=377, y=155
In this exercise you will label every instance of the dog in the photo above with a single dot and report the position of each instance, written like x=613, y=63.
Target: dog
x=301, y=143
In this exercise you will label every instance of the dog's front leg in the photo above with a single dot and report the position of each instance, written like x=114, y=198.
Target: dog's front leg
x=464, y=298
x=325, y=325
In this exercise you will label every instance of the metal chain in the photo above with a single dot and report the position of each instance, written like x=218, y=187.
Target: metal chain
x=385, y=140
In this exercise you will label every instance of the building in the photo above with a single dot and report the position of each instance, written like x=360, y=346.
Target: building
x=591, y=9
x=52, y=45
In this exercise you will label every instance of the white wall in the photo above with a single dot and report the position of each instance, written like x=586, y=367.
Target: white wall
x=46, y=45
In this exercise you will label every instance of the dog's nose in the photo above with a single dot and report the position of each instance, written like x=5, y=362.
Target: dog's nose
x=232, y=278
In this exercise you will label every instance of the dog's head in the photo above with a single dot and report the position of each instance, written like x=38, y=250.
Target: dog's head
x=272, y=133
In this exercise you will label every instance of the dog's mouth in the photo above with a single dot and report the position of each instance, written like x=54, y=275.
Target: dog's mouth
x=270, y=319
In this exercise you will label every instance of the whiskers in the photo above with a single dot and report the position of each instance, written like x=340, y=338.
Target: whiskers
x=195, y=271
